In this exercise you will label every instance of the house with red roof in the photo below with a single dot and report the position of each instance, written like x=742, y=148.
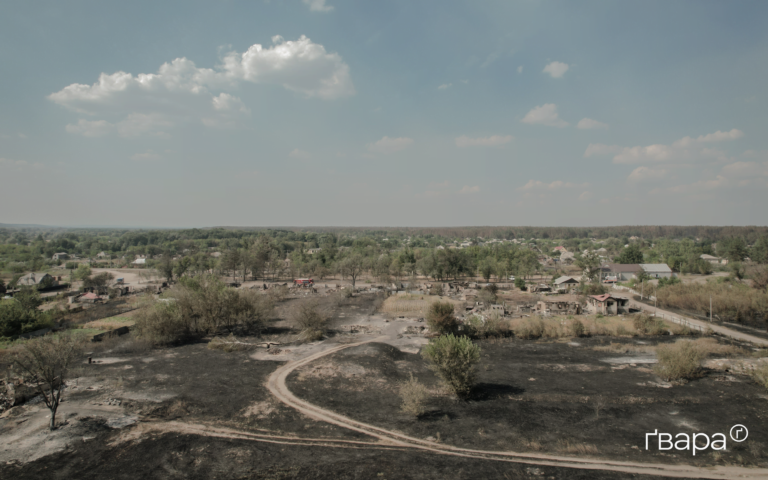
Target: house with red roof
x=607, y=304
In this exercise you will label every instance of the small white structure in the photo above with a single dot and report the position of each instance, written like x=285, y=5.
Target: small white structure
x=657, y=270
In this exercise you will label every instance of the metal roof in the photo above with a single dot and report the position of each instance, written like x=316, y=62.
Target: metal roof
x=656, y=267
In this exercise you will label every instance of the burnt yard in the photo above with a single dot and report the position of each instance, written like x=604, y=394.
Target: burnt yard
x=189, y=411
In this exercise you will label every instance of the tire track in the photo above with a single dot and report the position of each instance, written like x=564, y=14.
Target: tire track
x=277, y=386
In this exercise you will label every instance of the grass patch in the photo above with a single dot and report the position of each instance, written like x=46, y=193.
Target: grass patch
x=678, y=361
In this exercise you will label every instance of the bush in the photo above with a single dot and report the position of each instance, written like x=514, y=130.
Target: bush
x=520, y=283
x=648, y=325
x=531, y=329
x=311, y=320
x=414, y=396
x=487, y=296
x=453, y=359
x=228, y=344
x=760, y=375
x=199, y=306
x=577, y=328
x=492, y=326
x=681, y=360
x=440, y=318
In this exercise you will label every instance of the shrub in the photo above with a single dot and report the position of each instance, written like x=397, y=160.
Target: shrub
x=453, y=359
x=487, y=295
x=520, y=283
x=228, y=344
x=492, y=326
x=311, y=320
x=531, y=329
x=760, y=375
x=648, y=325
x=681, y=360
x=440, y=318
x=577, y=328
x=198, y=306
x=414, y=396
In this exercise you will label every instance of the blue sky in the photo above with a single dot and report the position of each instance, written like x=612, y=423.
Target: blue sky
x=397, y=113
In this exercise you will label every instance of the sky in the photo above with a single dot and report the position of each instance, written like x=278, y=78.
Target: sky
x=396, y=113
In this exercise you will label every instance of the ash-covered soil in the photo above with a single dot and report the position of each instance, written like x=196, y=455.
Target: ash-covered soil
x=546, y=397
x=179, y=456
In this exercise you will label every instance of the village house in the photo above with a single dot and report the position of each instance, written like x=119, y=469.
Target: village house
x=102, y=255
x=565, y=283
x=36, y=280
x=713, y=260
x=557, y=308
x=657, y=270
x=60, y=256
x=607, y=304
x=622, y=271
x=312, y=251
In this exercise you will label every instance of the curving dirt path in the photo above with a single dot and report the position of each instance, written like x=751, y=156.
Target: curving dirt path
x=276, y=385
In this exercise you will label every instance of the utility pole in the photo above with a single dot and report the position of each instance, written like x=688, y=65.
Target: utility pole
x=710, y=309
x=655, y=299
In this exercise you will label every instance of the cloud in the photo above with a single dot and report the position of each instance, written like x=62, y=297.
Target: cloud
x=600, y=149
x=520, y=69
x=444, y=86
x=718, y=136
x=645, y=173
x=148, y=156
x=653, y=153
x=389, y=145
x=299, y=154
x=86, y=128
x=744, y=170
x=545, y=115
x=585, y=196
x=703, y=185
x=686, y=148
x=556, y=185
x=492, y=141
x=468, y=189
x=317, y=5
x=182, y=92
x=556, y=69
x=589, y=124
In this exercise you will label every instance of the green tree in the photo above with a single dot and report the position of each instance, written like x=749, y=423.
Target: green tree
x=589, y=263
x=29, y=298
x=352, y=266
x=520, y=283
x=165, y=267
x=630, y=255
x=83, y=271
x=734, y=249
x=453, y=359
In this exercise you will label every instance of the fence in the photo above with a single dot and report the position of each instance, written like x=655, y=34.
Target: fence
x=97, y=312
x=681, y=321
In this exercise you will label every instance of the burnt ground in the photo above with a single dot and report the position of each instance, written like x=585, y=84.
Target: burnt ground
x=538, y=396
x=177, y=456
x=555, y=413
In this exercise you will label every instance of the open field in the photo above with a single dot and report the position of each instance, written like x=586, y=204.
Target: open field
x=193, y=412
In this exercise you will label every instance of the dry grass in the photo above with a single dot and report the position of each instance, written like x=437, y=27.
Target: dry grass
x=680, y=360
x=760, y=375
x=414, y=396
x=592, y=325
x=577, y=448
x=227, y=344
x=709, y=347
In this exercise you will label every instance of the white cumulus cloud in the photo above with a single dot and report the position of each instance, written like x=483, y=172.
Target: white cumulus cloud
x=589, y=124
x=317, y=5
x=390, y=145
x=556, y=69
x=468, y=189
x=492, y=141
x=585, y=196
x=444, y=86
x=545, y=115
x=148, y=156
x=718, y=136
x=556, y=185
x=86, y=128
x=182, y=92
x=646, y=173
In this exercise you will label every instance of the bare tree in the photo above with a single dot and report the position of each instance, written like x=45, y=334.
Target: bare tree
x=48, y=360
x=352, y=266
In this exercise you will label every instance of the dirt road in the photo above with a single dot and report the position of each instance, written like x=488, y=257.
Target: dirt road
x=727, y=332
x=277, y=386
